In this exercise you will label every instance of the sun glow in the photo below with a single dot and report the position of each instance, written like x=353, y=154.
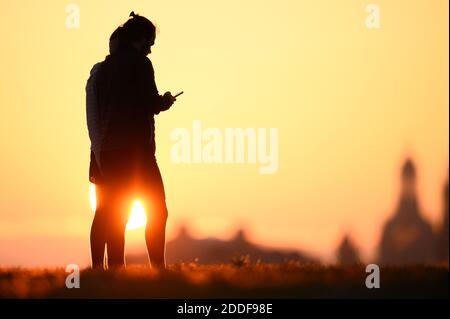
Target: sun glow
x=138, y=217
x=92, y=197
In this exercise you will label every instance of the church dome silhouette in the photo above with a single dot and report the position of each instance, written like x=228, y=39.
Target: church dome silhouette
x=407, y=236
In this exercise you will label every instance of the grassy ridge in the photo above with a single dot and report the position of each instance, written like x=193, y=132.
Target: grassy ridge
x=288, y=280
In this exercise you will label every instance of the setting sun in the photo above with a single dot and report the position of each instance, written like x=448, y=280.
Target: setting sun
x=137, y=219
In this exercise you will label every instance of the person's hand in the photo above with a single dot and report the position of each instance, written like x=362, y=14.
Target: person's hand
x=168, y=99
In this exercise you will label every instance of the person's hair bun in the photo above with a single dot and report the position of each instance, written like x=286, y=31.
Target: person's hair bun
x=137, y=27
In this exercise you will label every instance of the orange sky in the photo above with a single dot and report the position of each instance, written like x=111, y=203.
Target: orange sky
x=349, y=103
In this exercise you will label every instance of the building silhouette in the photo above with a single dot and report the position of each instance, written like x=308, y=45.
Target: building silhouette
x=442, y=238
x=347, y=254
x=185, y=248
x=407, y=238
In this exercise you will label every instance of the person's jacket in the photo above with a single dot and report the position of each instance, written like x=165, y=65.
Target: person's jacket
x=127, y=100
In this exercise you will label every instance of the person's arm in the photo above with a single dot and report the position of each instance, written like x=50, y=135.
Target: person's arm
x=92, y=113
x=148, y=90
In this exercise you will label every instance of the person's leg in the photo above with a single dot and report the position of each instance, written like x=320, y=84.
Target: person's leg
x=99, y=229
x=155, y=235
x=114, y=188
x=155, y=232
x=116, y=229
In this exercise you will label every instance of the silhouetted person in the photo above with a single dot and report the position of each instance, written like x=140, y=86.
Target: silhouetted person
x=407, y=237
x=122, y=133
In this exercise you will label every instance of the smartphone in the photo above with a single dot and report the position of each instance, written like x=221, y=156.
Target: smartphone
x=178, y=94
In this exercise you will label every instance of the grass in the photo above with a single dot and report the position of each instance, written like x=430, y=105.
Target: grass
x=237, y=279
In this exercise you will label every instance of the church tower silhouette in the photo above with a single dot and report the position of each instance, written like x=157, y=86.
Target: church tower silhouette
x=347, y=254
x=407, y=237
